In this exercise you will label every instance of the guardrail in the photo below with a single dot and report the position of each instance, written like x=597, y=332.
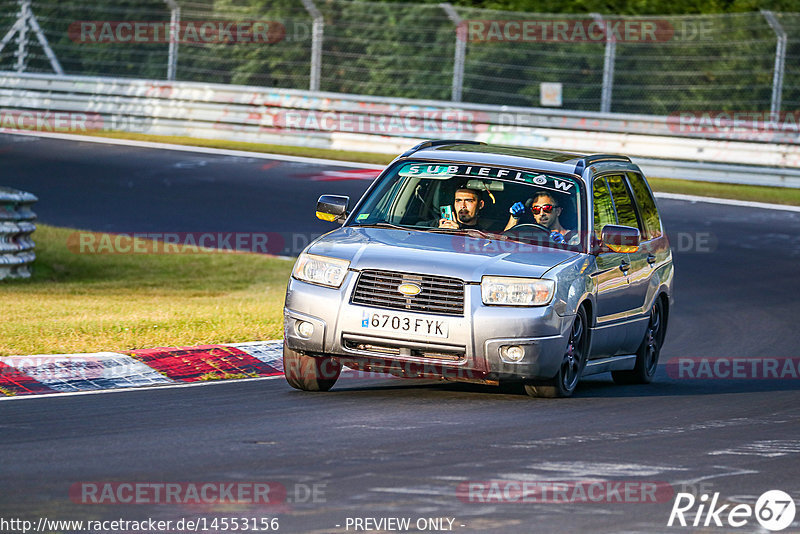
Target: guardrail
x=380, y=124
x=16, y=227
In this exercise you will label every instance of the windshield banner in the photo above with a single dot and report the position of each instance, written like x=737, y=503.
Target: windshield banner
x=443, y=172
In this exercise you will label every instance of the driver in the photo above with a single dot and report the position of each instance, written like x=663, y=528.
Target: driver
x=545, y=211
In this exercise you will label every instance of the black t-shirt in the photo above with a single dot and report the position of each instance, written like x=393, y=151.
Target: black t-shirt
x=484, y=225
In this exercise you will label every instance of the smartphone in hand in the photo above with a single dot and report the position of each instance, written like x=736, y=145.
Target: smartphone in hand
x=446, y=212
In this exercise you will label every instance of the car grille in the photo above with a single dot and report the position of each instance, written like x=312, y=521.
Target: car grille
x=377, y=348
x=439, y=294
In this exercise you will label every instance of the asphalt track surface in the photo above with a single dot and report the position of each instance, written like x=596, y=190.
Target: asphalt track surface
x=384, y=448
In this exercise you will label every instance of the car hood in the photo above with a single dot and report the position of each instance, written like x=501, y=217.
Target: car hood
x=452, y=255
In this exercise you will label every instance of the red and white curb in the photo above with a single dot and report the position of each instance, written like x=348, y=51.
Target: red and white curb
x=67, y=373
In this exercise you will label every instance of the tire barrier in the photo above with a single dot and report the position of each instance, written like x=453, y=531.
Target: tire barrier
x=16, y=227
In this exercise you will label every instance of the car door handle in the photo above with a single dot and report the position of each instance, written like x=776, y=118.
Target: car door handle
x=624, y=266
x=651, y=259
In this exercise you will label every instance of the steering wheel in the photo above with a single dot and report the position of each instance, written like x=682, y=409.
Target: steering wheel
x=524, y=226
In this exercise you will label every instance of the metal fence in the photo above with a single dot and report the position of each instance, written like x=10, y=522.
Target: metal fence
x=16, y=227
x=653, y=65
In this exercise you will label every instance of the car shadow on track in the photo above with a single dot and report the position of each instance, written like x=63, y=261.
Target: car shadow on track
x=417, y=386
x=667, y=387
x=597, y=386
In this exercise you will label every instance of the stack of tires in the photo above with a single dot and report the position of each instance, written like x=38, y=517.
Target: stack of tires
x=16, y=227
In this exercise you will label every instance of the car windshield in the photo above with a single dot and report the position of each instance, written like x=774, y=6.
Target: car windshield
x=488, y=201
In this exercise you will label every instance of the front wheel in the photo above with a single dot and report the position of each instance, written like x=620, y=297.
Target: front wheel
x=309, y=373
x=649, y=350
x=572, y=364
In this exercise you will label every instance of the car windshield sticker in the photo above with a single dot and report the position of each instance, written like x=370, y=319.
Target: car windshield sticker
x=362, y=216
x=429, y=171
x=443, y=172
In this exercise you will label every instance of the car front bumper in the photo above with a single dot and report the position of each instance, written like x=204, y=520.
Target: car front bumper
x=471, y=349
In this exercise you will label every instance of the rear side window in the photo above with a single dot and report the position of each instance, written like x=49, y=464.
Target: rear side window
x=623, y=203
x=603, y=208
x=647, y=205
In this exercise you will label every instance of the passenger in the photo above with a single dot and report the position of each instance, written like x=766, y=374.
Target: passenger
x=545, y=211
x=467, y=206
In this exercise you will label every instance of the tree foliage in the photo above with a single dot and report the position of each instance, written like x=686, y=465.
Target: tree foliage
x=721, y=56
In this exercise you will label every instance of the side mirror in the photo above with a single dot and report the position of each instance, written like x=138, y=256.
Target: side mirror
x=332, y=208
x=621, y=238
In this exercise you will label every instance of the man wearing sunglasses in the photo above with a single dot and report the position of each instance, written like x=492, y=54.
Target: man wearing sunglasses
x=545, y=211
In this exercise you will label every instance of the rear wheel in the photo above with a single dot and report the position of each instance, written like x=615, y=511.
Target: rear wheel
x=309, y=373
x=649, y=350
x=572, y=364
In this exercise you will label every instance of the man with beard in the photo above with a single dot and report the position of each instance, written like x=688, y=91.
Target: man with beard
x=545, y=211
x=467, y=206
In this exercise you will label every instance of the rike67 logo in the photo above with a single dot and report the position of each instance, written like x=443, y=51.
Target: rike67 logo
x=774, y=510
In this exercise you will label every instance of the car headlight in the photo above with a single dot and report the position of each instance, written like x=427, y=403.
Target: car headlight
x=508, y=291
x=320, y=270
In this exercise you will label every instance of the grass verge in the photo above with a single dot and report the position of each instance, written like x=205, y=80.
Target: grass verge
x=777, y=195
x=93, y=303
x=757, y=193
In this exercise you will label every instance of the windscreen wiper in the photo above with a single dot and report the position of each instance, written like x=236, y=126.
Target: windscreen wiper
x=471, y=232
x=384, y=224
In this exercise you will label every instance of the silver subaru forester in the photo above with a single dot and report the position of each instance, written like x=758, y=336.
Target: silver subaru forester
x=473, y=262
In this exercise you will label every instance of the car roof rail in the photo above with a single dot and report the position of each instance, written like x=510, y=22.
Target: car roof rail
x=595, y=158
x=439, y=142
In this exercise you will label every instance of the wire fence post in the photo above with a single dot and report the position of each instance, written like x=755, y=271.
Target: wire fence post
x=780, y=60
x=43, y=41
x=460, y=53
x=608, y=66
x=22, y=35
x=20, y=29
x=174, y=33
x=317, y=31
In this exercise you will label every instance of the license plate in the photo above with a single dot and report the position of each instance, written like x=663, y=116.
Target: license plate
x=409, y=325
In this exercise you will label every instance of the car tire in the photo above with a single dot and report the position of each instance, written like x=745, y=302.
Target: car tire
x=648, y=352
x=565, y=381
x=309, y=373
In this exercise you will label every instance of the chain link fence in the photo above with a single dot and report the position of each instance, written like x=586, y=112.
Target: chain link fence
x=651, y=65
